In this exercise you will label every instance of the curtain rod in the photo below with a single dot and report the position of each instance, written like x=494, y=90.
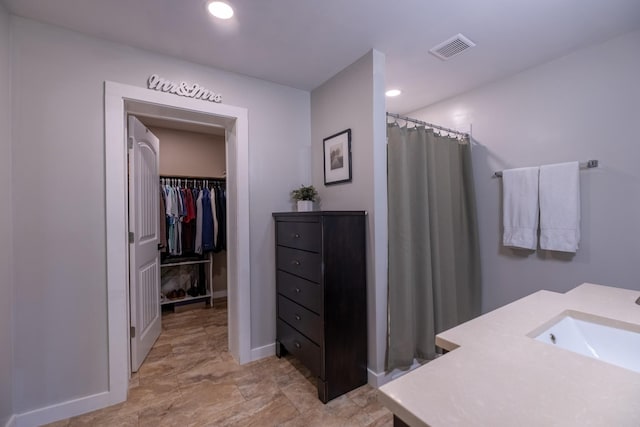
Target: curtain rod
x=583, y=165
x=420, y=122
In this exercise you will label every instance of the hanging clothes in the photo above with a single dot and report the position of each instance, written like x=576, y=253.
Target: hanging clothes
x=221, y=208
x=194, y=216
x=188, y=225
x=216, y=225
x=177, y=208
x=198, y=241
x=163, y=221
x=207, y=222
x=170, y=224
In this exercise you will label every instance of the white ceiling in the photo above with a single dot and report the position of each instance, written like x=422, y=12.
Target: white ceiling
x=197, y=127
x=303, y=43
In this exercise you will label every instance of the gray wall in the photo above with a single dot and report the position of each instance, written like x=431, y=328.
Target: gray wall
x=6, y=274
x=354, y=98
x=579, y=107
x=184, y=152
x=59, y=197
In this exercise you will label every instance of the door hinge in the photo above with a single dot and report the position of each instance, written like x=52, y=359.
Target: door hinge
x=131, y=237
x=132, y=331
x=130, y=143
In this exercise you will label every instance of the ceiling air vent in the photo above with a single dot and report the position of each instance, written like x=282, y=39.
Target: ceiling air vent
x=452, y=47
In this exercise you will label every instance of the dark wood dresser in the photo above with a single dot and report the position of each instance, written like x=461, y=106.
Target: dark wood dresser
x=322, y=296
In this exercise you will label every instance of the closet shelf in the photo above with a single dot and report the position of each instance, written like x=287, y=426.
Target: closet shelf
x=187, y=298
x=174, y=264
x=197, y=178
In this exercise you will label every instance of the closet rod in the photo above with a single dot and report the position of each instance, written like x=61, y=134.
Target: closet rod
x=201, y=178
x=583, y=165
x=420, y=122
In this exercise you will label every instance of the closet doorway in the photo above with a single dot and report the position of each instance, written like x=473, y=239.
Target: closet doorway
x=181, y=223
x=120, y=102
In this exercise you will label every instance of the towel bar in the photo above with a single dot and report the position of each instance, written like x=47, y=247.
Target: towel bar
x=583, y=165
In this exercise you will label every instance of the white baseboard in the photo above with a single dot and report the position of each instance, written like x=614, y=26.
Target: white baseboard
x=219, y=294
x=376, y=379
x=262, y=352
x=61, y=411
x=11, y=422
x=379, y=379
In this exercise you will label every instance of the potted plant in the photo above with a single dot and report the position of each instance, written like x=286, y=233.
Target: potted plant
x=304, y=196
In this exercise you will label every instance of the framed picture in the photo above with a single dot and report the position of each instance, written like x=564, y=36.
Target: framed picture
x=337, y=158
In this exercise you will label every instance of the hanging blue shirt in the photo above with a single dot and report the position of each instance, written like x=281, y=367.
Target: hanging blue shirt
x=207, y=221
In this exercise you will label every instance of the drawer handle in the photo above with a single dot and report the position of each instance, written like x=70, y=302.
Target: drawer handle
x=295, y=262
x=297, y=316
x=297, y=290
x=297, y=344
x=296, y=236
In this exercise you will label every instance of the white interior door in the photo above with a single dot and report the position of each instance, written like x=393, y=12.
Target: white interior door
x=144, y=228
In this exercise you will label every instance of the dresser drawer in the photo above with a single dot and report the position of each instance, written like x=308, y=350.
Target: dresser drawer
x=304, y=292
x=301, y=263
x=300, y=318
x=302, y=348
x=300, y=235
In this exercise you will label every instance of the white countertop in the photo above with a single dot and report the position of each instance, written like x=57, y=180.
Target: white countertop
x=495, y=375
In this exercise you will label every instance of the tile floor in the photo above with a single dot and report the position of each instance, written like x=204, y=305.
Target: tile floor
x=189, y=379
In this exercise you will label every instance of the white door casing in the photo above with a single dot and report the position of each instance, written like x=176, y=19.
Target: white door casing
x=144, y=227
x=121, y=99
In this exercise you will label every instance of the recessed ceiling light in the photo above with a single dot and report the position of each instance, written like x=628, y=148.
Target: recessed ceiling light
x=393, y=92
x=220, y=10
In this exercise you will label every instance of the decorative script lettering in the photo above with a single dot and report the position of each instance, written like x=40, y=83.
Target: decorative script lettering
x=183, y=89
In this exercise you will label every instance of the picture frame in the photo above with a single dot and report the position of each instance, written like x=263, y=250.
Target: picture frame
x=337, y=158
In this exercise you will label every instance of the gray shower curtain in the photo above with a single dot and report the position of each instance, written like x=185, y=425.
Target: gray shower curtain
x=434, y=265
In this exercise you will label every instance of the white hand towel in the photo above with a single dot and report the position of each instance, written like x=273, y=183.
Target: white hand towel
x=560, y=207
x=520, y=207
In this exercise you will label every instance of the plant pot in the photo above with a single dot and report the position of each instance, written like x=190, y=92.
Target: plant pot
x=305, y=205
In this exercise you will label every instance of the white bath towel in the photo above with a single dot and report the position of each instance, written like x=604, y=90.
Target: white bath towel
x=520, y=207
x=560, y=207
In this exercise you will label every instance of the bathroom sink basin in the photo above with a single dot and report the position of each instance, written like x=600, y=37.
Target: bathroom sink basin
x=603, y=339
